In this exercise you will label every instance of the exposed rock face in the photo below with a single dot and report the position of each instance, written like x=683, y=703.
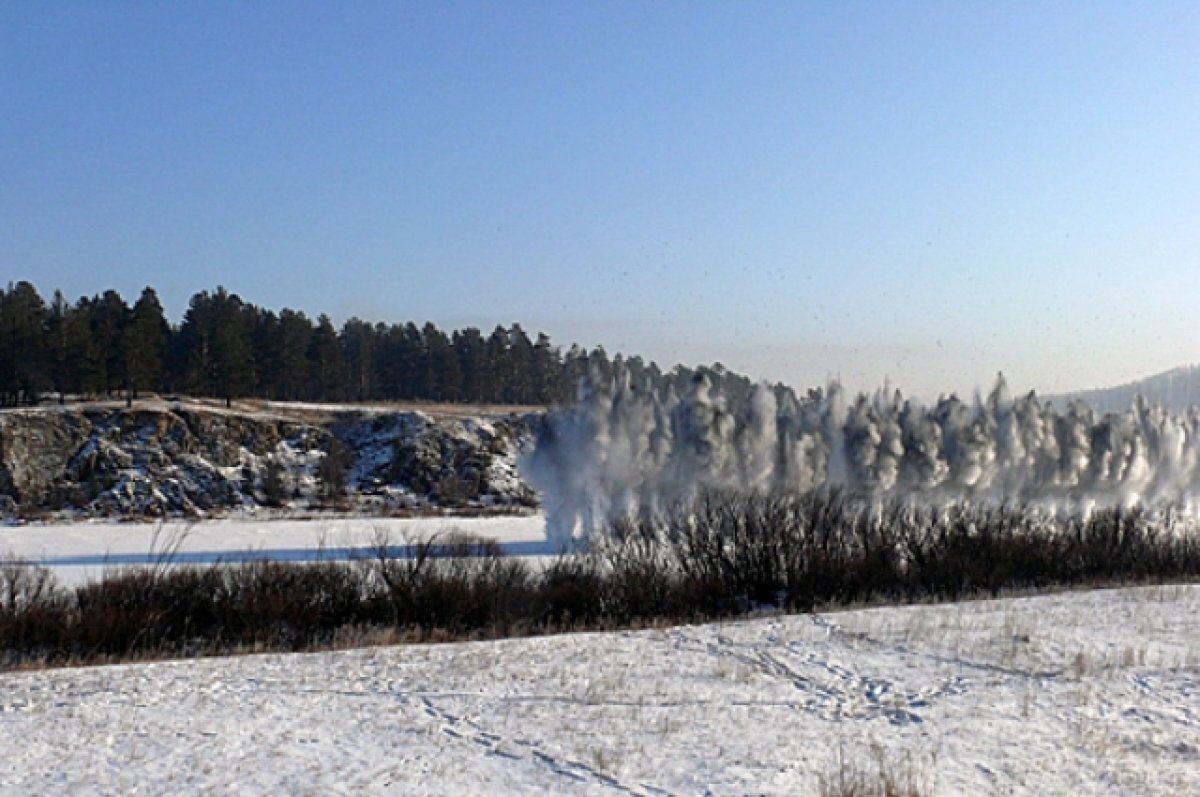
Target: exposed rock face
x=35, y=447
x=183, y=459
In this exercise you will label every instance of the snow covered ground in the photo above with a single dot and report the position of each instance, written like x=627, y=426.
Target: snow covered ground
x=1086, y=693
x=82, y=551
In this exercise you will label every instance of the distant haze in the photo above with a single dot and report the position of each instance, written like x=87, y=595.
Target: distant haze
x=1177, y=390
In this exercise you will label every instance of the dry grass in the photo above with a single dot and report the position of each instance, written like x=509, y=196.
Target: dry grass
x=321, y=412
x=881, y=777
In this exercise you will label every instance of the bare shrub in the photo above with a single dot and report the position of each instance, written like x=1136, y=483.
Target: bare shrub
x=641, y=577
x=137, y=610
x=881, y=778
x=274, y=486
x=333, y=473
x=572, y=593
x=24, y=586
x=454, y=582
x=290, y=605
x=33, y=611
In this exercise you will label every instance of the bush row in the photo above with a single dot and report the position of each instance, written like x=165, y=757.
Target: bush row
x=723, y=554
x=727, y=552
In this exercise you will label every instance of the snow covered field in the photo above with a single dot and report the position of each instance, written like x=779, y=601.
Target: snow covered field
x=78, y=552
x=1078, y=693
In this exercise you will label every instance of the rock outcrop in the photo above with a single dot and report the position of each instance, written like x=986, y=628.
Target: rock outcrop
x=165, y=458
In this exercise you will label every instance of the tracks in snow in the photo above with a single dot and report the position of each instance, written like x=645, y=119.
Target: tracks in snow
x=830, y=690
x=835, y=630
x=519, y=749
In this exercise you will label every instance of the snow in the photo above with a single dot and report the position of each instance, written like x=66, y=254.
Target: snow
x=83, y=551
x=1074, y=693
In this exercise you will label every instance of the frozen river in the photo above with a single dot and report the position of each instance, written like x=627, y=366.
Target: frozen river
x=82, y=551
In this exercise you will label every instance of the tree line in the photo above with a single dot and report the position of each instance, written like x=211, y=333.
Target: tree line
x=101, y=347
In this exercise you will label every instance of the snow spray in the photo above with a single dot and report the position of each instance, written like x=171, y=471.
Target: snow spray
x=620, y=449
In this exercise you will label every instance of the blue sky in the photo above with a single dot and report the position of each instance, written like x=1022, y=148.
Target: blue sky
x=922, y=192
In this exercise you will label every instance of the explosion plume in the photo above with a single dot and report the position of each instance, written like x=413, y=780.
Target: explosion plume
x=620, y=449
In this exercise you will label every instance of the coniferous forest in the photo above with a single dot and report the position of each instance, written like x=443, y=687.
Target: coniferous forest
x=102, y=347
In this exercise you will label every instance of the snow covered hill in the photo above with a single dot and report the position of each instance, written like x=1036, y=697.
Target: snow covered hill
x=1088, y=693
x=1177, y=390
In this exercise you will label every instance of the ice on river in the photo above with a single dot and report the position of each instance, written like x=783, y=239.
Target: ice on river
x=82, y=551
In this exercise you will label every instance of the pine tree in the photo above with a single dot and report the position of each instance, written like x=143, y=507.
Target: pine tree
x=546, y=372
x=110, y=315
x=412, y=359
x=357, y=340
x=22, y=343
x=328, y=369
x=265, y=344
x=387, y=359
x=57, y=349
x=145, y=344
x=520, y=388
x=216, y=335
x=292, y=356
x=196, y=346
x=471, y=351
x=500, y=365
x=232, y=352
x=441, y=379
x=229, y=348
x=86, y=361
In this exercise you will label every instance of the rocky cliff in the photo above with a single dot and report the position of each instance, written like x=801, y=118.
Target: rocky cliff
x=163, y=458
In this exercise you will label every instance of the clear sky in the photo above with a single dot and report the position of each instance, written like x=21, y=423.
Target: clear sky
x=922, y=192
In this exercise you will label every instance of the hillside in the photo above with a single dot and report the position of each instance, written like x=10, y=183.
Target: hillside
x=1177, y=390
x=190, y=458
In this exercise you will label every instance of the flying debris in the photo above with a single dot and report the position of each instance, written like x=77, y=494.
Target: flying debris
x=622, y=448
